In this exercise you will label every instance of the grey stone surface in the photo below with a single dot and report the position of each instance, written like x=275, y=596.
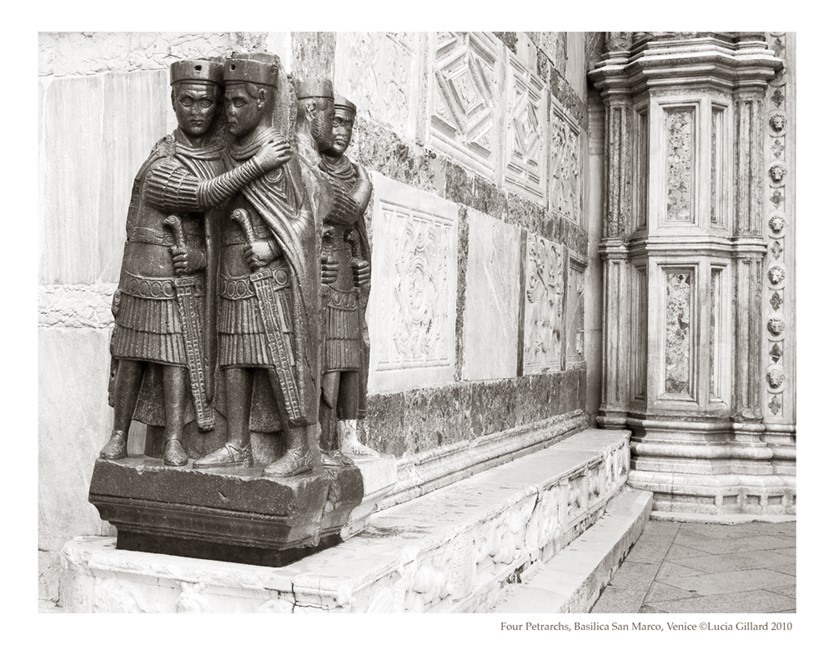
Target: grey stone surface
x=758, y=601
x=614, y=600
x=731, y=582
x=739, y=562
x=707, y=568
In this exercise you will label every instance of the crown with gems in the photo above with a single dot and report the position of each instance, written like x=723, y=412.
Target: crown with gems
x=314, y=88
x=197, y=70
x=248, y=70
x=342, y=103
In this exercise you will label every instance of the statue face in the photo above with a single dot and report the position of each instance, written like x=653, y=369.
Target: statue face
x=243, y=112
x=195, y=105
x=342, y=130
x=321, y=115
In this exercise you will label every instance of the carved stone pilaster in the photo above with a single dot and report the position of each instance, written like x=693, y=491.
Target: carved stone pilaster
x=749, y=150
x=685, y=269
x=618, y=127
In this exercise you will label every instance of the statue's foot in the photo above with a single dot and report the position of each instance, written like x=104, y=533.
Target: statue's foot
x=335, y=458
x=357, y=449
x=174, y=454
x=294, y=462
x=225, y=456
x=116, y=448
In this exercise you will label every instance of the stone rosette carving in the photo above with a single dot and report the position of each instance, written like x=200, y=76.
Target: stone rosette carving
x=777, y=173
x=776, y=325
x=776, y=274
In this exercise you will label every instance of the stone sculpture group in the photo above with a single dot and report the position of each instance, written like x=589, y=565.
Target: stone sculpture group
x=221, y=274
x=241, y=303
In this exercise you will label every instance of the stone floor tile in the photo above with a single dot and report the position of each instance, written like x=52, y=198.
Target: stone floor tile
x=694, y=533
x=656, y=528
x=660, y=591
x=649, y=609
x=675, y=570
x=728, y=562
x=635, y=575
x=532, y=600
x=758, y=601
x=708, y=584
x=680, y=552
x=619, y=601
x=747, y=543
x=789, y=590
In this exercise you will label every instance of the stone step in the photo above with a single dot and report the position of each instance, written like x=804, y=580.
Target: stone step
x=573, y=580
x=450, y=550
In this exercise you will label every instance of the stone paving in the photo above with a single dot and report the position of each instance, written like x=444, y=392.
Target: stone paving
x=680, y=567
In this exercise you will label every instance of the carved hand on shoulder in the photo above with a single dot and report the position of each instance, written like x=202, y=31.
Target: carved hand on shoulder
x=361, y=272
x=272, y=154
x=187, y=260
x=259, y=254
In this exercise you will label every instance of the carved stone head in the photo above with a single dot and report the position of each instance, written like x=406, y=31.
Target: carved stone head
x=345, y=114
x=777, y=173
x=315, y=106
x=250, y=93
x=777, y=122
x=195, y=94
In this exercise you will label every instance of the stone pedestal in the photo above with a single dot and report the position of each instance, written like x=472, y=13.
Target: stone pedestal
x=454, y=550
x=230, y=514
x=685, y=262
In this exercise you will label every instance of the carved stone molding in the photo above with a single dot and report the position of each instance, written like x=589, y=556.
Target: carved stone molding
x=78, y=306
x=544, y=301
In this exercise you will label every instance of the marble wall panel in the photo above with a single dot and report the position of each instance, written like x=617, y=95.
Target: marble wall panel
x=544, y=290
x=74, y=422
x=463, y=103
x=381, y=73
x=490, y=321
x=565, y=160
x=525, y=166
x=575, y=318
x=414, y=293
x=576, y=63
x=95, y=132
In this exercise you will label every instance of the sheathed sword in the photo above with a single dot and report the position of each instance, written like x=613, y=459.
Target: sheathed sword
x=278, y=334
x=185, y=287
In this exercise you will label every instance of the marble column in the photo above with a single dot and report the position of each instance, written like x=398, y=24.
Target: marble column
x=684, y=265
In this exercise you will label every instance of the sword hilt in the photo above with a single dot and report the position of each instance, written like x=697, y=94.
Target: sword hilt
x=175, y=224
x=241, y=216
x=353, y=239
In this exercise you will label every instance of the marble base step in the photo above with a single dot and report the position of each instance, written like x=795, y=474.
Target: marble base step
x=573, y=580
x=452, y=550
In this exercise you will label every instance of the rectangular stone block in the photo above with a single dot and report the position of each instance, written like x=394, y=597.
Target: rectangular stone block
x=490, y=319
x=74, y=422
x=94, y=134
x=411, y=313
x=575, y=320
x=381, y=73
x=544, y=286
x=525, y=166
x=576, y=63
x=466, y=73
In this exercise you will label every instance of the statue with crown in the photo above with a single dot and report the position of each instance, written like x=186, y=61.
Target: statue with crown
x=239, y=336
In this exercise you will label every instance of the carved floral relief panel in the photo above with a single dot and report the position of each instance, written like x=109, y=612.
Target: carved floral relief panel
x=380, y=72
x=678, y=337
x=463, y=98
x=543, y=305
x=679, y=124
x=414, y=290
x=525, y=169
x=565, y=158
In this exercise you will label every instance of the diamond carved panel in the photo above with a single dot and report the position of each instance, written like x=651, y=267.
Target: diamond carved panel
x=463, y=120
x=525, y=169
x=414, y=291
